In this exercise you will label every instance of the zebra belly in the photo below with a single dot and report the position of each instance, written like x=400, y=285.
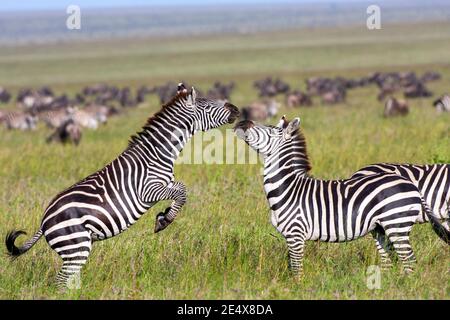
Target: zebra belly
x=76, y=211
x=96, y=236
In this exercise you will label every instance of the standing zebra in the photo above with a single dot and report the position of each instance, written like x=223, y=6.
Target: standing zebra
x=442, y=104
x=432, y=181
x=112, y=199
x=304, y=208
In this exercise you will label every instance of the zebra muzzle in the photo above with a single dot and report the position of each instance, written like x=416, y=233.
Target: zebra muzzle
x=161, y=221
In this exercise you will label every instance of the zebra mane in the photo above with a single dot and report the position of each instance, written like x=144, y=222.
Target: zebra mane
x=300, y=140
x=136, y=138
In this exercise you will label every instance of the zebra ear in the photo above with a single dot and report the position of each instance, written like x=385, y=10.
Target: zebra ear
x=282, y=123
x=181, y=88
x=291, y=128
x=192, y=97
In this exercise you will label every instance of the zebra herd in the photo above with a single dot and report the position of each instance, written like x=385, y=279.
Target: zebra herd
x=384, y=200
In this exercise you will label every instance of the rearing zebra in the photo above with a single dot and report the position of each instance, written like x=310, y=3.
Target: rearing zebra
x=304, y=208
x=112, y=199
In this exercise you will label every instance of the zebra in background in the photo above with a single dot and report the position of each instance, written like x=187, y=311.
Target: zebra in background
x=432, y=181
x=304, y=208
x=442, y=104
x=18, y=120
x=112, y=199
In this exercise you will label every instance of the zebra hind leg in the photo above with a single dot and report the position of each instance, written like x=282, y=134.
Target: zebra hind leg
x=384, y=247
x=69, y=277
x=402, y=246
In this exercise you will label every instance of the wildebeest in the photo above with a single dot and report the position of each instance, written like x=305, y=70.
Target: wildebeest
x=260, y=110
x=297, y=98
x=394, y=107
x=269, y=87
x=333, y=97
x=5, y=96
x=430, y=76
x=68, y=132
x=417, y=90
x=220, y=91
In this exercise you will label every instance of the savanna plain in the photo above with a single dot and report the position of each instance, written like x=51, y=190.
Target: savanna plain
x=222, y=245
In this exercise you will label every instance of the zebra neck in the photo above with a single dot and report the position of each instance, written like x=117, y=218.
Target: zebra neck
x=164, y=137
x=291, y=159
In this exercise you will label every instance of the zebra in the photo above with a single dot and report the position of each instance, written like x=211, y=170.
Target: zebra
x=442, y=104
x=112, y=199
x=18, y=120
x=304, y=208
x=432, y=181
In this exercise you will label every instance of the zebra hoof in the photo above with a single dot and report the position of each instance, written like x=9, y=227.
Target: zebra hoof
x=161, y=222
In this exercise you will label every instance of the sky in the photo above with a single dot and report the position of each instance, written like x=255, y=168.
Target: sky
x=26, y=5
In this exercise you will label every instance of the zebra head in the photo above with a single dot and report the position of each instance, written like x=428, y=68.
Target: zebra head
x=266, y=139
x=208, y=113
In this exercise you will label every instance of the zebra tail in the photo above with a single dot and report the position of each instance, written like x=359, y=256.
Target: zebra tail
x=438, y=227
x=14, y=251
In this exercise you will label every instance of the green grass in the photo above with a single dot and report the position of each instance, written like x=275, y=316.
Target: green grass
x=222, y=245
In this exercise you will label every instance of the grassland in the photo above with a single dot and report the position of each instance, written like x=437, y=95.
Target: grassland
x=222, y=245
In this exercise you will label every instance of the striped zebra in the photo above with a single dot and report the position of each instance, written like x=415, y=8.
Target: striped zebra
x=304, y=208
x=432, y=181
x=442, y=104
x=18, y=120
x=112, y=199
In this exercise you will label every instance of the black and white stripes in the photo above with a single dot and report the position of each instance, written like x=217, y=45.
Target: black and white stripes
x=304, y=208
x=112, y=199
x=432, y=181
x=443, y=103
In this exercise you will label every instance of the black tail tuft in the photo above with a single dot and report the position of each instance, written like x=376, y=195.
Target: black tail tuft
x=438, y=227
x=13, y=251
x=440, y=230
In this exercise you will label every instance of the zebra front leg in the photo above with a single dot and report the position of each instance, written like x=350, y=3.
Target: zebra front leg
x=177, y=193
x=296, y=245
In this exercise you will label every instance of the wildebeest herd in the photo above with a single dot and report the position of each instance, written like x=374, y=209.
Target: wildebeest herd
x=94, y=104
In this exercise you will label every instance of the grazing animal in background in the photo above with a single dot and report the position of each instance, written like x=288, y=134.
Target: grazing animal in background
x=112, y=199
x=54, y=118
x=442, y=104
x=333, y=97
x=394, y=107
x=101, y=113
x=85, y=118
x=417, y=90
x=304, y=208
x=432, y=181
x=68, y=132
x=19, y=120
x=5, y=96
x=220, y=91
x=261, y=110
x=297, y=98
x=269, y=87
x=430, y=76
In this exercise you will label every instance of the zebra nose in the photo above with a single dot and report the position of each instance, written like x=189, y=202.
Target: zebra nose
x=244, y=125
x=234, y=112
